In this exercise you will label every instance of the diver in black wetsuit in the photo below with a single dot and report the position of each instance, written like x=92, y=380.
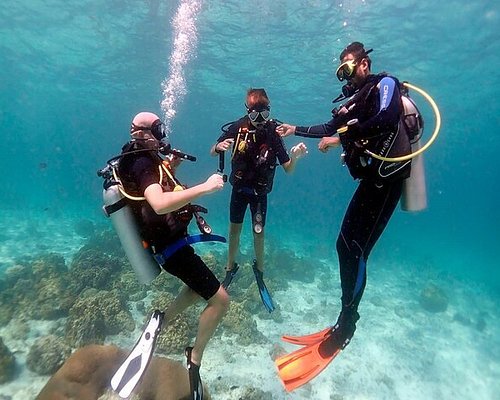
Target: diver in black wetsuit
x=372, y=113
x=257, y=150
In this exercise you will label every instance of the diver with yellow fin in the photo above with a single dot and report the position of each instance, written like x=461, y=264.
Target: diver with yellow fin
x=378, y=130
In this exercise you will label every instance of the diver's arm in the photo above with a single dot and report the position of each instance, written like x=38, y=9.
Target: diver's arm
x=222, y=146
x=388, y=114
x=164, y=202
x=317, y=131
x=296, y=152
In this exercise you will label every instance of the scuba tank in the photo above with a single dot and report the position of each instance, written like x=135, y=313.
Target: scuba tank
x=117, y=209
x=414, y=197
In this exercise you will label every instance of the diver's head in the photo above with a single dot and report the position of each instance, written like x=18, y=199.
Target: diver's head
x=147, y=126
x=258, y=107
x=355, y=64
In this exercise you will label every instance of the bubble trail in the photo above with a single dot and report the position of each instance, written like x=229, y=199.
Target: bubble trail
x=184, y=47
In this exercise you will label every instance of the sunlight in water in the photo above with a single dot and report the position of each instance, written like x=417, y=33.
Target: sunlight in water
x=185, y=41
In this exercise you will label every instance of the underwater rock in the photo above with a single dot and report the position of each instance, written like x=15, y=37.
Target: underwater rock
x=7, y=363
x=433, y=299
x=87, y=373
x=47, y=355
x=95, y=315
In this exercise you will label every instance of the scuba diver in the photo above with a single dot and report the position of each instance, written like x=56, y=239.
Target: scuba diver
x=256, y=147
x=161, y=209
x=370, y=119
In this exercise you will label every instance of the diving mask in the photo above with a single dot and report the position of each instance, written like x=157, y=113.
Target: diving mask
x=346, y=70
x=259, y=115
x=158, y=129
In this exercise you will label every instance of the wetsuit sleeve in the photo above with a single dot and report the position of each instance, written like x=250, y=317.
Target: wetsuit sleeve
x=145, y=173
x=281, y=152
x=318, y=131
x=388, y=114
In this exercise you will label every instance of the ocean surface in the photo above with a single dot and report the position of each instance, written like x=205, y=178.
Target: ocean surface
x=73, y=75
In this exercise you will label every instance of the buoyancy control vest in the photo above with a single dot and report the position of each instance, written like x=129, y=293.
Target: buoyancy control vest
x=254, y=157
x=391, y=142
x=157, y=230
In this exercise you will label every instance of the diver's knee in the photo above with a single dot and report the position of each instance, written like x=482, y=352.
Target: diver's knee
x=221, y=300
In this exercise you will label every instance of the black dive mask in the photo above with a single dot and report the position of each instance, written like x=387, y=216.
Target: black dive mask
x=157, y=129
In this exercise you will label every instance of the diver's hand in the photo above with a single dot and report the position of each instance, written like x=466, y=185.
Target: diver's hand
x=285, y=130
x=327, y=142
x=173, y=161
x=224, y=145
x=214, y=183
x=298, y=151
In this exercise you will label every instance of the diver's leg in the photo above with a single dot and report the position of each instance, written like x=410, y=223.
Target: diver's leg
x=184, y=299
x=258, y=246
x=237, y=208
x=209, y=319
x=366, y=218
x=234, y=244
x=191, y=269
x=259, y=205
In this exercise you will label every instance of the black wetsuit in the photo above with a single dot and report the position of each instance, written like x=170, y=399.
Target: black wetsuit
x=137, y=172
x=378, y=108
x=252, y=167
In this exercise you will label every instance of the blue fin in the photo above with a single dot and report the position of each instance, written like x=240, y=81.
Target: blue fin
x=264, y=293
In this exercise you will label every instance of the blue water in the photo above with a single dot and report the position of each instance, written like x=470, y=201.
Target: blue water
x=73, y=74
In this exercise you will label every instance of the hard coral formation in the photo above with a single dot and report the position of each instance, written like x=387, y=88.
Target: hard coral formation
x=7, y=363
x=87, y=373
x=177, y=335
x=239, y=322
x=47, y=355
x=433, y=299
x=95, y=315
x=40, y=280
x=93, y=269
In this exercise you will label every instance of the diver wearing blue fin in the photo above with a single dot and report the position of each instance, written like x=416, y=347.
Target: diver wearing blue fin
x=256, y=151
x=264, y=293
x=130, y=372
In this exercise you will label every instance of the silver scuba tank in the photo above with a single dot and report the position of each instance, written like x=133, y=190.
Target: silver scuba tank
x=414, y=197
x=116, y=208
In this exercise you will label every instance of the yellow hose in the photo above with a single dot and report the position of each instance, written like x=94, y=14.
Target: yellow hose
x=122, y=189
x=429, y=142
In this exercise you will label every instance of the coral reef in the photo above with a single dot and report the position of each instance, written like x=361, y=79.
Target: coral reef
x=47, y=355
x=42, y=281
x=433, y=299
x=176, y=335
x=239, y=322
x=7, y=363
x=87, y=372
x=95, y=315
x=93, y=269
